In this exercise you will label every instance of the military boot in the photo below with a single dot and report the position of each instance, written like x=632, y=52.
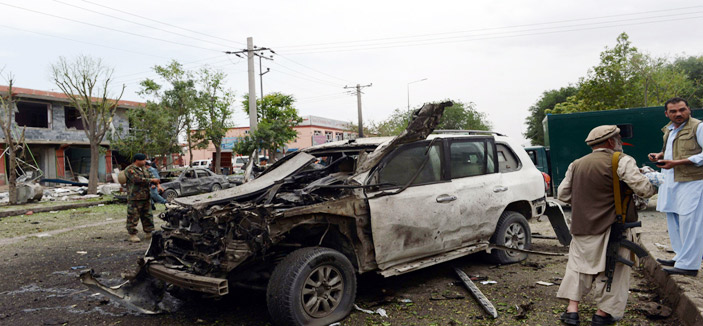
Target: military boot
x=133, y=238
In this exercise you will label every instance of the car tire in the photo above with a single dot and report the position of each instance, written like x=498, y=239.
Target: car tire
x=215, y=187
x=512, y=231
x=300, y=292
x=170, y=195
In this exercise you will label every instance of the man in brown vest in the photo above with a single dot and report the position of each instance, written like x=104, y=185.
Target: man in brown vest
x=588, y=187
x=680, y=195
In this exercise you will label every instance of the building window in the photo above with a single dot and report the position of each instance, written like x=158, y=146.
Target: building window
x=316, y=132
x=73, y=118
x=339, y=136
x=328, y=135
x=33, y=114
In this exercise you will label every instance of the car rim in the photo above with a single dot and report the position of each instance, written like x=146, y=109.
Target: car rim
x=170, y=196
x=215, y=187
x=515, y=237
x=322, y=291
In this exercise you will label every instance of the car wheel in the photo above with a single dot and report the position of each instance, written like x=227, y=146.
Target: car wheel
x=514, y=232
x=216, y=187
x=170, y=195
x=311, y=286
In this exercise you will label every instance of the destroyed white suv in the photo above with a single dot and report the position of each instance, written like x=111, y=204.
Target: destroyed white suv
x=309, y=223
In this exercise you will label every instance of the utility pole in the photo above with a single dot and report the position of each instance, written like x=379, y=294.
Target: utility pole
x=417, y=81
x=262, y=73
x=251, y=52
x=358, y=104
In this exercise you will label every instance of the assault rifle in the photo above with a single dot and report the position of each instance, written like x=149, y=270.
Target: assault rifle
x=617, y=230
x=615, y=241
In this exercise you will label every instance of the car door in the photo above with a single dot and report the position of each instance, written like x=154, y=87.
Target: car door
x=475, y=178
x=421, y=220
x=205, y=180
x=189, y=182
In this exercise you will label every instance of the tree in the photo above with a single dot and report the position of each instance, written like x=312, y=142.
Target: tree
x=459, y=116
x=214, y=111
x=626, y=78
x=152, y=132
x=535, y=130
x=180, y=100
x=277, y=117
x=86, y=83
x=14, y=146
x=463, y=116
x=692, y=66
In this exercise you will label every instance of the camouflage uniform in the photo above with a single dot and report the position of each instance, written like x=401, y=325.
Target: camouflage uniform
x=138, y=205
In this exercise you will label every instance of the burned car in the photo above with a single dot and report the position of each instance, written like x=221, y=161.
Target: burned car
x=307, y=225
x=191, y=181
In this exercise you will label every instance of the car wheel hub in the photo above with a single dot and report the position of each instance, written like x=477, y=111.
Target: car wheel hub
x=515, y=237
x=322, y=291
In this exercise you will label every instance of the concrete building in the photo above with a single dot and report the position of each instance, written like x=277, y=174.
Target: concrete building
x=312, y=131
x=54, y=134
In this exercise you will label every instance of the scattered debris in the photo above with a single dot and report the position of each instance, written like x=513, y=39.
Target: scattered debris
x=29, y=213
x=405, y=300
x=522, y=310
x=478, y=278
x=78, y=267
x=655, y=310
x=478, y=295
x=42, y=235
x=53, y=212
x=380, y=311
x=545, y=283
x=81, y=252
x=434, y=296
x=488, y=282
x=532, y=264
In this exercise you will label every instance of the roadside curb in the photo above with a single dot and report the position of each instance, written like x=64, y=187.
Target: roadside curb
x=686, y=304
x=22, y=211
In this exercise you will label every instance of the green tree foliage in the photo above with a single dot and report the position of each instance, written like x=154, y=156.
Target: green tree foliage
x=277, y=117
x=692, y=66
x=213, y=111
x=549, y=99
x=178, y=100
x=151, y=132
x=626, y=78
x=461, y=115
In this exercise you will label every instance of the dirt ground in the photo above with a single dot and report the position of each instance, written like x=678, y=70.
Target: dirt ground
x=40, y=284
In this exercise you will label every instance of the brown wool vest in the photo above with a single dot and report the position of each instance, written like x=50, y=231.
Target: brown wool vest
x=593, y=209
x=685, y=146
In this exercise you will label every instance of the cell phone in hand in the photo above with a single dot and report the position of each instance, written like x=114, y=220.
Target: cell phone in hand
x=659, y=163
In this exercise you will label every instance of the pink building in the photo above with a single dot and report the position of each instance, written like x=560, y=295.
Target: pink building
x=312, y=131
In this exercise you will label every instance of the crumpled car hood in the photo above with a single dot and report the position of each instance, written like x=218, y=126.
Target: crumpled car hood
x=256, y=186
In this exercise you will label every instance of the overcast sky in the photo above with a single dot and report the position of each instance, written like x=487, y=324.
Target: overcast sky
x=500, y=55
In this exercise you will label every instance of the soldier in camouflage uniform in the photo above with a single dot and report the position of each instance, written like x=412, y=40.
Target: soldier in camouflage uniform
x=138, y=205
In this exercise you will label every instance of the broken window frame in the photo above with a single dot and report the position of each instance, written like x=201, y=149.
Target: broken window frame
x=78, y=124
x=375, y=177
x=49, y=115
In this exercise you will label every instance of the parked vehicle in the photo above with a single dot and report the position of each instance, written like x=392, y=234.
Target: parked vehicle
x=205, y=164
x=191, y=181
x=564, y=136
x=311, y=221
x=240, y=161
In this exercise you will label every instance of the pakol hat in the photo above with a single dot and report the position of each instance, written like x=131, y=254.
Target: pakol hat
x=601, y=133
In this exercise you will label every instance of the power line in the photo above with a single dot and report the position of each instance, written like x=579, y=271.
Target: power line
x=150, y=71
x=164, y=23
x=465, y=39
x=309, y=76
x=106, y=28
x=84, y=42
x=313, y=69
x=487, y=28
x=138, y=23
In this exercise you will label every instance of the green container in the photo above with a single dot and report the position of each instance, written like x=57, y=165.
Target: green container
x=565, y=134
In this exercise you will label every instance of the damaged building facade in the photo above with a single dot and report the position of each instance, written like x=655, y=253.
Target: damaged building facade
x=55, y=137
